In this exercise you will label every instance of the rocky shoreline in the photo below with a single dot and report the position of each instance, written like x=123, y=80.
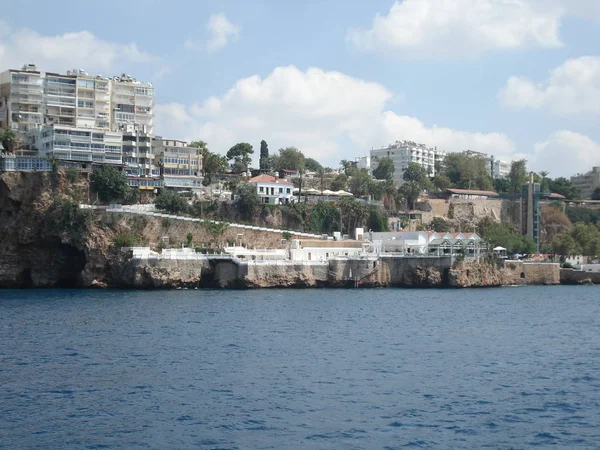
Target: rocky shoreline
x=48, y=242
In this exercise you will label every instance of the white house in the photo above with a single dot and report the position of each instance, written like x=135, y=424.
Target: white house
x=273, y=190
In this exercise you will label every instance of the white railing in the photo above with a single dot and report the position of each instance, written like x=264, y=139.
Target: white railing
x=126, y=209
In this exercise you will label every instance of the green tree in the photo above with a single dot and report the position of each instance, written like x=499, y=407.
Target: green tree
x=339, y=182
x=240, y=153
x=416, y=181
x=440, y=225
x=347, y=166
x=504, y=235
x=359, y=182
x=596, y=194
x=189, y=238
x=289, y=158
x=354, y=212
x=587, y=237
x=565, y=245
x=201, y=147
x=171, y=202
x=212, y=165
x=385, y=169
x=517, y=175
x=264, y=156
x=8, y=139
x=544, y=184
x=466, y=171
x=377, y=222
x=312, y=165
x=324, y=218
x=502, y=185
x=564, y=187
x=109, y=183
x=247, y=201
x=441, y=182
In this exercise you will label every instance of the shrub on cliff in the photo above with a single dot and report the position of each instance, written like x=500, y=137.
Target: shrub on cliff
x=247, y=200
x=109, y=184
x=68, y=218
x=171, y=202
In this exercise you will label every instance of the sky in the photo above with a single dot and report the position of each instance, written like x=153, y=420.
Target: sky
x=335, y=78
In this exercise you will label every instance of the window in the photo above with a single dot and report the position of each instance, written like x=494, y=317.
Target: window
x=261, y=189
x=288, y=190
x=281, y=190
x=89, y=84
x=85, y=104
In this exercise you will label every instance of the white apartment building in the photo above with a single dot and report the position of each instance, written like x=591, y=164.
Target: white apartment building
x=79, y=145
x=273, y=190
x=402, y=153
x=180, y=165
x=587, y=182
x=30, y=98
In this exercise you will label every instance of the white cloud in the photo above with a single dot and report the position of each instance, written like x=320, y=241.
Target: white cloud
x=572, y=88
x=221, y=32
x=328, y=115
x=565, y=153
x=459, y=28
x=80, y=49
x=588, y=9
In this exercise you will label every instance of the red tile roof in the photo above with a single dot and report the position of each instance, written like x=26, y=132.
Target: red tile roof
x=471, y=192
x=268, y=179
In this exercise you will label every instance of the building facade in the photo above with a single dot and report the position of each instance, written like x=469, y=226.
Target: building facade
x=402, y=153
x=31, y=98
x=271, y=189
x=587, y=183
x=82, y=145
x=180, y=165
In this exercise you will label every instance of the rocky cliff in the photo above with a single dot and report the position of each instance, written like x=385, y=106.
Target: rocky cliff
x=46, y=240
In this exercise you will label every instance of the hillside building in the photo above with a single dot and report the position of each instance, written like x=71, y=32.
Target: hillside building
x=179, y=164
x=587, y=183
x=402, y=153
x=273, y=190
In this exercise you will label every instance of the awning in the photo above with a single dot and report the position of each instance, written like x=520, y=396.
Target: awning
x=499, y=249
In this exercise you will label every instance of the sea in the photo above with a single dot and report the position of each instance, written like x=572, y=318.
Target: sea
x=501, y=368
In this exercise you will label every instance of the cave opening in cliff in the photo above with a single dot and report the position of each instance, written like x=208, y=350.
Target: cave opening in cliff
x=25, y=281
x=72, y=263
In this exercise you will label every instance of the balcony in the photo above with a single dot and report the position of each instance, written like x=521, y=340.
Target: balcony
x=124, y=117
x=58, y=102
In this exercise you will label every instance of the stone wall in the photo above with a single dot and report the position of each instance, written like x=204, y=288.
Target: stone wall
x=570, y=276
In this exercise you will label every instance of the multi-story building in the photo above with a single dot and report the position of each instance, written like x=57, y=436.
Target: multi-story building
x=587, y=182
x=138, y=160
x=80, y=145
x=22, y=93
x=363, y=162
x=501, y=168
x=132, y=104
x=180, y=165
x=402, y=153
x=32, y=98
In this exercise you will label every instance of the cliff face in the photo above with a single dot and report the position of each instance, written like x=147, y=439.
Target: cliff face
x=39, y=248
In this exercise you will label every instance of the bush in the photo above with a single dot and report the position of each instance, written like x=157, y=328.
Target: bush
x=126, y=239
x=109, y=184
x=440, y=225
x=286, y=235
x=171, y=202
x=72, y=174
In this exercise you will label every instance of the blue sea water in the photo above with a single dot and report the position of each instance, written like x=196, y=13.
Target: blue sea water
x=300, y=369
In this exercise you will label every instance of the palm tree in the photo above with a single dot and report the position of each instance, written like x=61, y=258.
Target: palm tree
x=544, y=174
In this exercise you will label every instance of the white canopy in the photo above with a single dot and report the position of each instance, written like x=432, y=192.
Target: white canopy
x=499, y=249
x=343, y=194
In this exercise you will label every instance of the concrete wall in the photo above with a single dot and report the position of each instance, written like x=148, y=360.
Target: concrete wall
x=570, y=276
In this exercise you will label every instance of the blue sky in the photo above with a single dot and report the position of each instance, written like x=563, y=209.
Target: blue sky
x=516, y=78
